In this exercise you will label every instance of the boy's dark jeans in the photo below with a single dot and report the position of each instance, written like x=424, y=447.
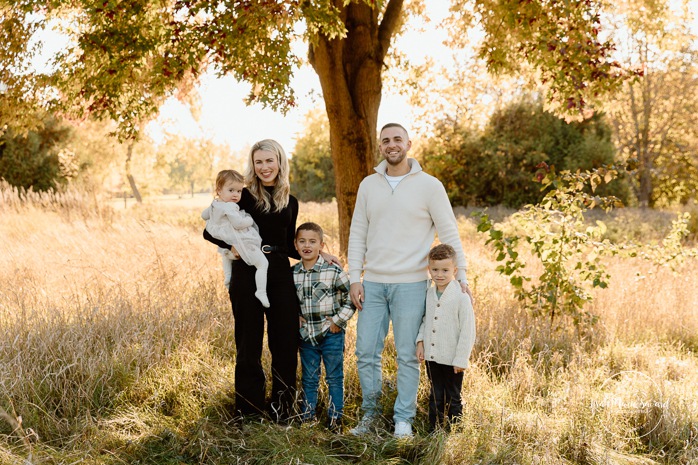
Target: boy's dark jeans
x=331, y=352
x=444, y=393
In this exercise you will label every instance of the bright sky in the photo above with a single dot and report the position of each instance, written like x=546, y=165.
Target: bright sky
x=226, y=119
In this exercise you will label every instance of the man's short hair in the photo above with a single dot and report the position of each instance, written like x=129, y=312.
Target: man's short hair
x=310, y=226
x=394, y=125
x=442, y=252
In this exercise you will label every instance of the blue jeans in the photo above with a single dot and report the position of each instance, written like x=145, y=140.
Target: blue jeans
x=331, y=351
x=404, y=304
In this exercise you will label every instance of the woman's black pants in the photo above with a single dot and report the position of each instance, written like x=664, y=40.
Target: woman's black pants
x=282, y=338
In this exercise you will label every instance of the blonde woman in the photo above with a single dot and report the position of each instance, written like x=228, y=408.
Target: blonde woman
x=268, y=200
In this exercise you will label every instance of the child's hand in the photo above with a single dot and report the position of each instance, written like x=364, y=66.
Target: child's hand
x=458, y=370
x=301, y=321
x=420, y=351
x=235, y=253
x=333, y=327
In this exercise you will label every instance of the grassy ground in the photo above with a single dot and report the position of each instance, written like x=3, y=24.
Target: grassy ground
x=118, y=348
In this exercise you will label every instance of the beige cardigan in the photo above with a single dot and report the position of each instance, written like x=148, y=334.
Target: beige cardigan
x=448, y=327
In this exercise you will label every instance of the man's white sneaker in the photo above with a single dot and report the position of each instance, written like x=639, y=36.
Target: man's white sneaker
x=403, y=429
x=363, y=427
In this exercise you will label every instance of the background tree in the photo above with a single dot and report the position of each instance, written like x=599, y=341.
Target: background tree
x=497, y=165
x=38, y=159
x=126, y=56
x=189, y=162
x=100, y=156
x=18, y=86
x=655, y=117
x=312, y=173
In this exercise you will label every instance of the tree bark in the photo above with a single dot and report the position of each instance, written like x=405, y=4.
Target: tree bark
x=350, y=70
x=129, y=176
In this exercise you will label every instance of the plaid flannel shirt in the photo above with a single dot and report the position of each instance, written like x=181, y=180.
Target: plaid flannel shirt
x=322, y=291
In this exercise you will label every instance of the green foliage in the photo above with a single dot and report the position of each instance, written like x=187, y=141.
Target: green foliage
x=100, y=156
x=670, y=253
x=568, y=250
x=127, y=57
x=675, y=177
x=654, y=115
x=189, y=163
x=37, y=160
x=18, y=95
x=311, y=168
x=559, y=39
x=495, y=166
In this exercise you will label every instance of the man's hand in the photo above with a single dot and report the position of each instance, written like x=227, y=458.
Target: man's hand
x=466, y=290
x=301, y=321
x=458, y=369
x=420, y=351
x=356, y=292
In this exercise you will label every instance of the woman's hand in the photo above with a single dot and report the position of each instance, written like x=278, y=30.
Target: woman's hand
x=331, y=259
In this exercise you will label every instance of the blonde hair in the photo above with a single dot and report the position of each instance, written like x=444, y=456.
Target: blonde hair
x=225, y=176
x=282, y=188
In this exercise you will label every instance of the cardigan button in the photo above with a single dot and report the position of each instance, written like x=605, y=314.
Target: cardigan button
x=432, y=357
x=432, y=344
x=438, y=305
x=436, y=317
x=433, y=330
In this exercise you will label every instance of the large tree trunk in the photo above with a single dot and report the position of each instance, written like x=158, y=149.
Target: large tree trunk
x=350, y=75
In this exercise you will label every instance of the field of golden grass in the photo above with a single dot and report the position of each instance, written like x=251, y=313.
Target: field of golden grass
x=118, y=347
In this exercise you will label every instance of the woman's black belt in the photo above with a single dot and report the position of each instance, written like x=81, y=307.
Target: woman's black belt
x=274, y=248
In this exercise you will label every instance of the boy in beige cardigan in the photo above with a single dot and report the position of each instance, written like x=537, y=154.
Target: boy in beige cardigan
x=446, y=336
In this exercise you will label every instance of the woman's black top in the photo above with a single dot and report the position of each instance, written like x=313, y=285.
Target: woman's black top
x=277, y=229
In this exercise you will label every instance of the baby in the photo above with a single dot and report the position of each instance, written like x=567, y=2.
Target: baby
x=225, y=221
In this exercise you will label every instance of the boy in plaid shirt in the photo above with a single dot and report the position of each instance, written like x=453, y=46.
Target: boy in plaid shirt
x=323, y=291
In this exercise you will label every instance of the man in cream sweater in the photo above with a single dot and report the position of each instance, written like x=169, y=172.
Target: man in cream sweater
x=398, y=211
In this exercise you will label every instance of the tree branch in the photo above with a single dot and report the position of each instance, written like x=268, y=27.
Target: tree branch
x=391, y=20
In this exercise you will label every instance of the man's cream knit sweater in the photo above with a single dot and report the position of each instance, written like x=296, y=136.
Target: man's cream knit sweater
x=392, y=231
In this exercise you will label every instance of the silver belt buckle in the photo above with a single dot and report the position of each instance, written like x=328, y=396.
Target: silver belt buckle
x=266, y=249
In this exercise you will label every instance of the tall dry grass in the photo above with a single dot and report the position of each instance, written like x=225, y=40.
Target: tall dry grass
x=118, y=347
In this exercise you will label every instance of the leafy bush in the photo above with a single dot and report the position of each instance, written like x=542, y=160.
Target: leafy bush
x=496, y=166
x=36, y=160
x=568, y=250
